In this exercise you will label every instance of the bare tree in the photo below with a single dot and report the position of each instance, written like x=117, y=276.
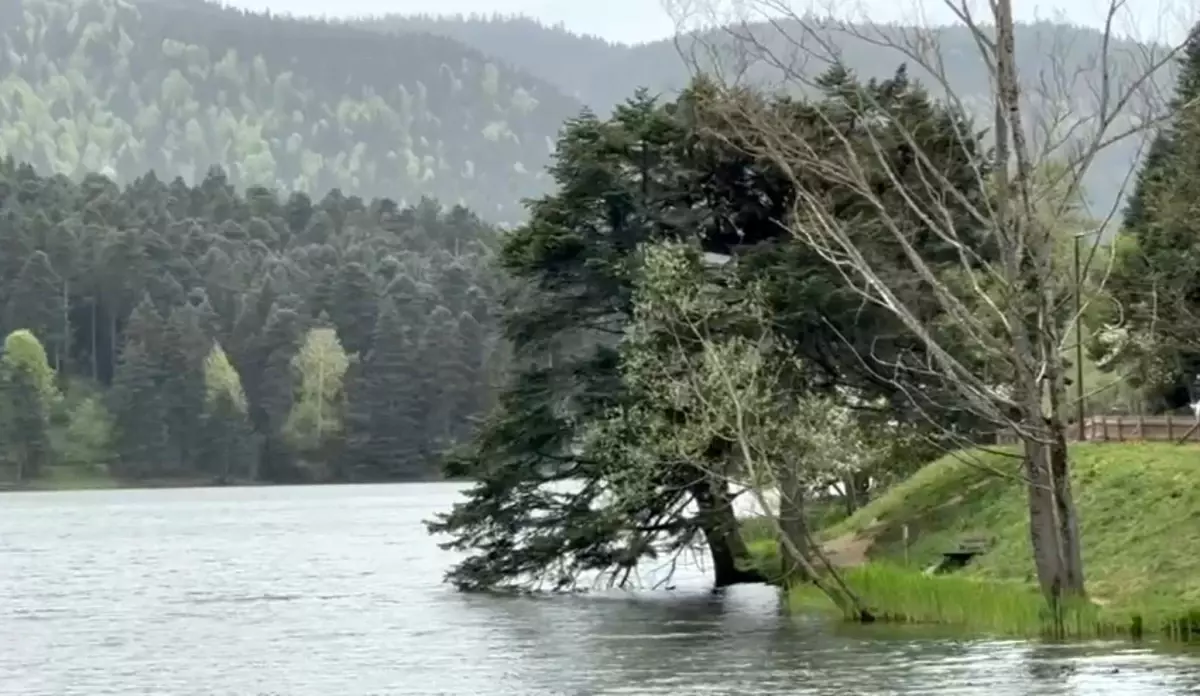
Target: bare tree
x=1012, y=297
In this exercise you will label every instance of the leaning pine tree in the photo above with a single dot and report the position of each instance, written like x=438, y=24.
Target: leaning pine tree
x=545, y=509
x=543, y=512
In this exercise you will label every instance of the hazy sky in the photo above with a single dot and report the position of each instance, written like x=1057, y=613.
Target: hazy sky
x=646, y=20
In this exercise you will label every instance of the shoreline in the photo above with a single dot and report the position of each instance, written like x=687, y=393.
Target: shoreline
x=1137, y=529
x=52, y=485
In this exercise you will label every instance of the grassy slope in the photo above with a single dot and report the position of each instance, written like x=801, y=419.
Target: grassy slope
x=1139, y=507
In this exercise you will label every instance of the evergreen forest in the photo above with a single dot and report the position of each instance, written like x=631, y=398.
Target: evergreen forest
x=847, y=333
x=241, y=246
x=166, y=332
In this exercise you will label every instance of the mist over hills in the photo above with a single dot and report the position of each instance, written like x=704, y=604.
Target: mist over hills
x=602, y=74
x=464, y=109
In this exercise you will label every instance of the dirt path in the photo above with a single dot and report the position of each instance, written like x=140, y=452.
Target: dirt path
x=849, y=550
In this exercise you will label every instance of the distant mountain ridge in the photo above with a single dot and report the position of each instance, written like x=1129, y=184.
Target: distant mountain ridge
x=464, y=109
x=602, y=74
x=178, y=86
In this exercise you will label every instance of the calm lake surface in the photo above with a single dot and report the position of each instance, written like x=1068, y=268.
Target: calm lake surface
x=336, y=591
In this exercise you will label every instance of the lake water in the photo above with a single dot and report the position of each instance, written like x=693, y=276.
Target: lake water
x=337, y=591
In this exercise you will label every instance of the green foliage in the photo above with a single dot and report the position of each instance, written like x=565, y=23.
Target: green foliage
x=27, y=396
x=221, y=381
x=270, y=388
x=179, y=87
x=704, y=365
x=138, y=401
x=230, y=446
x=145, y=279
x=655, y=172
x=847, y=341
x=36, y=302
x=25, y=356
x=1153, y=315
x=603, y=74
x=387, y=438
x=571, y=264
x=86, y=444
x=186, y=345
x=316, y=421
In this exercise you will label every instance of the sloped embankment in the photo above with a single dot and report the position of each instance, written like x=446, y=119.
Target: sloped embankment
x=1139, y=507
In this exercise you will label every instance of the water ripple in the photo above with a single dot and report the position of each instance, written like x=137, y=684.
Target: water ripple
x=313, y=591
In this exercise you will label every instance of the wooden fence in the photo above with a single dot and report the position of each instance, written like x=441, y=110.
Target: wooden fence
x=1129, y=428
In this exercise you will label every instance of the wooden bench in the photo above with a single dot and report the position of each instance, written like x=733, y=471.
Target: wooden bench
x=959, y=555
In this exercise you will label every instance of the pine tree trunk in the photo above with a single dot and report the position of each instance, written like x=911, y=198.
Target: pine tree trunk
x=226, y=466
x=722, y=535
x=112, y=344
x=64, y=350
x=95, y=340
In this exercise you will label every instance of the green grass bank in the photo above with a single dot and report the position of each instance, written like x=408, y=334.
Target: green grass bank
x=71, y=478
x=1139, y=507
x=61, y=478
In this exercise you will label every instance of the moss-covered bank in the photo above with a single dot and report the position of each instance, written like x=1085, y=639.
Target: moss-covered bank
x=1139, y=506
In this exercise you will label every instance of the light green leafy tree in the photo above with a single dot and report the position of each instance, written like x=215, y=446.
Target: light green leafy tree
x=29, y=395
x=315, y=424
x=230, y=445
x=87, y=441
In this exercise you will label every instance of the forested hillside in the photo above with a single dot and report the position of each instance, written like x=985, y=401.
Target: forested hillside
x=1058, y=57
x=465, y=110
x=178, y=86
x=200, y=334
x=303, y=305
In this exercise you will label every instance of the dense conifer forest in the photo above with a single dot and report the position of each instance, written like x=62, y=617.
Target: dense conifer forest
x=197, y=333
x=240, y=246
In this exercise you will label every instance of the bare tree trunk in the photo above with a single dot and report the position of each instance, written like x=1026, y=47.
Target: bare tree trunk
x=1067, y=516
x=793, y=528
x=1053, y=520
x=1043, y=532
x=112, y=343
x=1029, y=249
